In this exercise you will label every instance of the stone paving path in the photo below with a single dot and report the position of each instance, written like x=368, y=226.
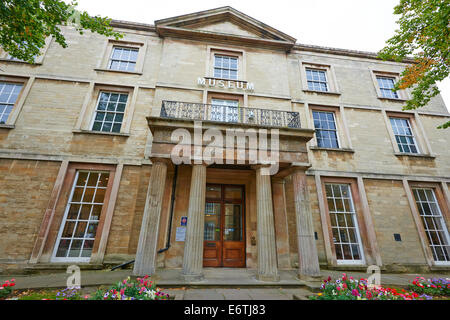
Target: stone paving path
x=239, y=294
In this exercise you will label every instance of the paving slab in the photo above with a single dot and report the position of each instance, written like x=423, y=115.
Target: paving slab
x=203, y=294
x=268, y=294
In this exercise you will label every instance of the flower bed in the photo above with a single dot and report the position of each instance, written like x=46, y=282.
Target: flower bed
x=6, y=288
x=434, y=286
x=141, y=289
x=348, y=288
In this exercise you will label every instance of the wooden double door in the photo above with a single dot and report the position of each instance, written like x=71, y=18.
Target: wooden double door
x=224, y=234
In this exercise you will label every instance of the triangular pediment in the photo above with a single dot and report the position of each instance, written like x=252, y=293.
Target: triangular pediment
x=227, y=27
x=224, y=22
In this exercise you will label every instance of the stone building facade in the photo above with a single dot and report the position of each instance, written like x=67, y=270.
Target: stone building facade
x=86, y=143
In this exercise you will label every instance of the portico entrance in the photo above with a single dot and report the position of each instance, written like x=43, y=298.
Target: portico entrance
x=224, y=238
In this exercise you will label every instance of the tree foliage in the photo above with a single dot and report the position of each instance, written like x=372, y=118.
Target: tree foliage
x=25, y=24
x=424, y=35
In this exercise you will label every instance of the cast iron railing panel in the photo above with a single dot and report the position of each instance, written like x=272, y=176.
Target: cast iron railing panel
x=229, y=114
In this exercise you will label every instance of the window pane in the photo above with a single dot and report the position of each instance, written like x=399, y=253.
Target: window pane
x=343, y=222
x=403, y=135
x=115, y=104
x=75, y=248
x=68, y=229
x=85, y=211
x=212, y=222
x=63, y=248
x=433, y=223
x=73, y=211
x=225, y=67
x=213, y=192
x=233, y=222
x=82, y=218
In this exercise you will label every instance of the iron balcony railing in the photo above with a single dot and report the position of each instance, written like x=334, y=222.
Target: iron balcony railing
x=229, y=114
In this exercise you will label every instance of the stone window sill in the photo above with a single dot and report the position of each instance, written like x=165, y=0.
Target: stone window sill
x=414, y=155
x=101, y=133
x=118, y=71
x=352, y=267
x=392, y=99
x=322, y=92
x=315, y=148
x=7, y=126
x=439, y=267
x=20, y=61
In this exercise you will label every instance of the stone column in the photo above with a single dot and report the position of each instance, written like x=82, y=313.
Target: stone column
x=193, y=247
x=281, y=223
x=308, y=261
x=267, y=252
x=145, y=263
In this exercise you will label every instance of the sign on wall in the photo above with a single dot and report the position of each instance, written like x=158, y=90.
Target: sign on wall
x=180, y=236
x=226, y=84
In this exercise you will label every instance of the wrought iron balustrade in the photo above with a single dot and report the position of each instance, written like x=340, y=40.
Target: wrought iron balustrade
x=229, y=114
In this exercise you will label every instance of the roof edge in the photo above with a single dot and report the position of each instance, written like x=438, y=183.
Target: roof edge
x=297, y=46
x=345, y=52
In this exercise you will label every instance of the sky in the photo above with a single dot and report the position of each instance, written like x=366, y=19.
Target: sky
x=347, y=24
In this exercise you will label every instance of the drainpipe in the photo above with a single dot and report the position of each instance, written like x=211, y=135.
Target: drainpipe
x=172, y=201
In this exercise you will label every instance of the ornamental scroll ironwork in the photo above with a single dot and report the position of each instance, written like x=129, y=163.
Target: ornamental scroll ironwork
x=230, y=114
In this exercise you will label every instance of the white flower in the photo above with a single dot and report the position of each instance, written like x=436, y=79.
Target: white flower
x=151, y=294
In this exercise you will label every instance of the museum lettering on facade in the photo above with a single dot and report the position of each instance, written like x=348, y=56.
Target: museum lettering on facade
x=324, y=169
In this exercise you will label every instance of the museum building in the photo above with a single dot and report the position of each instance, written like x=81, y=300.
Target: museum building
x=96, y=169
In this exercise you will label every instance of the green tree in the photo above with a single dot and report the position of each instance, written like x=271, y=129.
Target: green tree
x=424, y=35
x=25, y=24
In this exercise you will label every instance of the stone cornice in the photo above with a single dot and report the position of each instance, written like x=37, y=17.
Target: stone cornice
x=344, y=52
x=202, y=35
x=208, y=35
x=132, y=25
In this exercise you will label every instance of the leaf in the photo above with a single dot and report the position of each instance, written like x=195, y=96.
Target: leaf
x=424, y=34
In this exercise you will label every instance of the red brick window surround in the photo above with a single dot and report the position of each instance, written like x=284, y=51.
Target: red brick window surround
x=79, y=219
x=432, y=220
x=345, y=221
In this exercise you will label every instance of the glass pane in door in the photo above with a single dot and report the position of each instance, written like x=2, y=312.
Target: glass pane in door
x=212, y=222
x=233, y=222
